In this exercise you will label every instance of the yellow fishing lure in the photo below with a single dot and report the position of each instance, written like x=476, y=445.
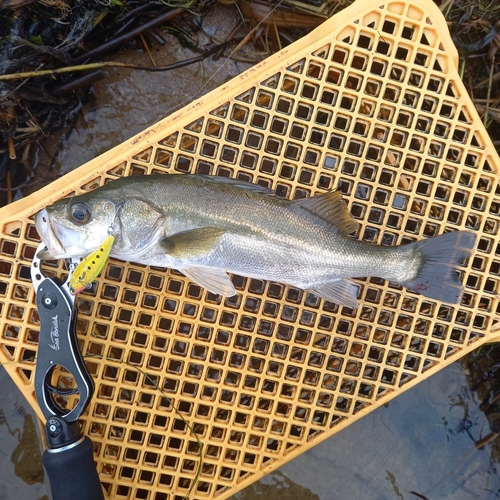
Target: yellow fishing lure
x=90, y=267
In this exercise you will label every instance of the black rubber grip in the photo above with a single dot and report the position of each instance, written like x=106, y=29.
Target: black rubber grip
x=72, y=472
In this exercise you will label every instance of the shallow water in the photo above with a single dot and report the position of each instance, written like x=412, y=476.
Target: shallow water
x=421, y=445
x=421, y=442
x=21, y=472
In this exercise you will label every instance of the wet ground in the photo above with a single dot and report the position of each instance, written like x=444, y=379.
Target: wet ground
x=127, y=101
x=421, y=445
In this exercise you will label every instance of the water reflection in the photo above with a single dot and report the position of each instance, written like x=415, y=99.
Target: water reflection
x=276, y=486
x=26, y=457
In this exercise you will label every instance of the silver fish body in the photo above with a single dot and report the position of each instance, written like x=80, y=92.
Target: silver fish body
x=207, y=227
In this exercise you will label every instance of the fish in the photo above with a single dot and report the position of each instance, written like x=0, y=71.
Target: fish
x=209, y=226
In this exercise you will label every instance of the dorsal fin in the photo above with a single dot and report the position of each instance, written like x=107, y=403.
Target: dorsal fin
x=331, y=208
x=256, y=188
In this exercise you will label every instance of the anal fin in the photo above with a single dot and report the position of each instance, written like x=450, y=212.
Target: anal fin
x=214, y=280
x=341, y=291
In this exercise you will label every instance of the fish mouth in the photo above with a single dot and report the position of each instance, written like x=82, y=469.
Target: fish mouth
x=54, y=248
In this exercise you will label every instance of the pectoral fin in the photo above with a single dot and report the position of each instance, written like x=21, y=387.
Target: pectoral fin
x=214, y=280
x=342, y=291
x=193, y=243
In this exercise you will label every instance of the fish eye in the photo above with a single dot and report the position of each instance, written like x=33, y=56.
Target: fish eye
x=80, y=213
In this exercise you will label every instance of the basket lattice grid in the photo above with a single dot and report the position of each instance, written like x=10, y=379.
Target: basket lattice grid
x=370, y=103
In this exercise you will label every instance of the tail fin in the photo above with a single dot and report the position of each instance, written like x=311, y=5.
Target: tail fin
x=437, y=278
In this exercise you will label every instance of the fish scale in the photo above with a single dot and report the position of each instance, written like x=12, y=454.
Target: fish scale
x=208, y=226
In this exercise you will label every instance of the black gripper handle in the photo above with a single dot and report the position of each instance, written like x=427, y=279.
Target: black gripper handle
x=72, y=472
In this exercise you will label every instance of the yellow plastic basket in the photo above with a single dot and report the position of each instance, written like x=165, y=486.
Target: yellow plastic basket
x=371, y=103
